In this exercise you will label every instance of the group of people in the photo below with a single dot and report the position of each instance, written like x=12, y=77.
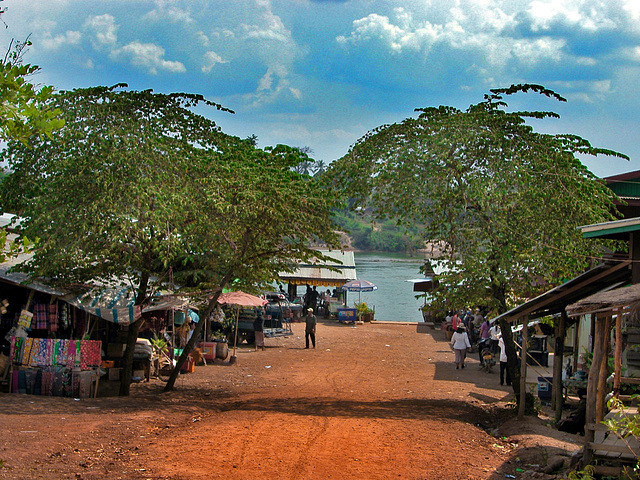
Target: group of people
x=468, y=329
x=315, y=300
x=309, y=330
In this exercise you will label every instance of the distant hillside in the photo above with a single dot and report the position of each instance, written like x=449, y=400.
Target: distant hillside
x=368, y=234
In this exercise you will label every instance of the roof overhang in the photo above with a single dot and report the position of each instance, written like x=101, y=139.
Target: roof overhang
x=335, y=272
x=601, y=278
x=618, y=229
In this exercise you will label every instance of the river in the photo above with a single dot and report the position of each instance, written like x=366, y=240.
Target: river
x=394, y=300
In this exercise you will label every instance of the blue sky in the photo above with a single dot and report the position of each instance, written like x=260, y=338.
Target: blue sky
x=322, y=73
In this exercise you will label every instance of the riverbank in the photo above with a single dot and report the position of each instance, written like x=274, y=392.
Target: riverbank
x=374, y=401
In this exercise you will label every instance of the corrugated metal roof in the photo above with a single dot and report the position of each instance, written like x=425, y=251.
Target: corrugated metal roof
x=611, y=229
x=335, y=272
x=21, y=278
x=600, y=278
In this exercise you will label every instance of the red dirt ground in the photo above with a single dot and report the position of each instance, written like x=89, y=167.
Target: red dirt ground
x=375, y=401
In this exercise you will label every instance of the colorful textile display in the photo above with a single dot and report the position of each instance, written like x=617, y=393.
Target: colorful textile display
x=64, y=316
x=41, y=315
x=53, y=317
x=25, y=319
x=53, y=381
x=45, y=352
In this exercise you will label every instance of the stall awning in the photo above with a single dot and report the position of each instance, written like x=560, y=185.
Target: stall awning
x=602, y=277
x=22, y=279
x=332, y=273
x=116, y=304
x=606, y=301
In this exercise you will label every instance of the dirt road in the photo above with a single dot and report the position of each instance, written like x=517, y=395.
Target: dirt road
x=370, y=402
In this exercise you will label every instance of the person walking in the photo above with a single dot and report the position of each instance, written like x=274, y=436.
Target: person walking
x=310, y=328
x=503, y=362
x=460, y=344
x=485, y=340
x=258, y=330
x=494, y=331
x=455, y=321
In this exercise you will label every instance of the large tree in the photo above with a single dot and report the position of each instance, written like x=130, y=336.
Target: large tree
x=136, y=182
x=500, y=200
x=24, y=111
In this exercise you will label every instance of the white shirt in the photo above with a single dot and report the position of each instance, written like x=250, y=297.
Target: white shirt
x=460, y=341
x=503, y=351
x=493, y=331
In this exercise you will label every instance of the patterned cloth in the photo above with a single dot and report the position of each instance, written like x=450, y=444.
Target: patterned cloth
x=53, y=317
x=42, y=315
x=49, y=352
x=25, y=319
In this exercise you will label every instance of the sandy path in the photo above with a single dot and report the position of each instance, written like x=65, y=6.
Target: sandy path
x=371, y=402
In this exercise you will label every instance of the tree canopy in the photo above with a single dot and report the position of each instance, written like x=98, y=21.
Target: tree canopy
x=24, y=111
x=500, y=200
x=136, y=183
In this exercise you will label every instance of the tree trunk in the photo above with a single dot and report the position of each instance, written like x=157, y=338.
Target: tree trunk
x=132, y=336
x=513, y=366
x=192, y=341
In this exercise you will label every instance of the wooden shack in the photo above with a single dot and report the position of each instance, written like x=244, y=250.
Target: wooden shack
x=616, y=317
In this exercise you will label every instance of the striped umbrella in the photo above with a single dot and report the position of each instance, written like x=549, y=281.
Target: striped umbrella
x=359, y=286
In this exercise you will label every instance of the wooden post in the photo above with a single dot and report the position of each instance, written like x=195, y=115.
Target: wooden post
x=576, y=345
x=617, y=363
x=592, y=389
x=603, y=373
x=634, y=251
x=29, y=299
x=558, y=360
x=523, y=369
x=235, y=335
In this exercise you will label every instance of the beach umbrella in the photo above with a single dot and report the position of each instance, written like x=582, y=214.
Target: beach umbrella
x=239, y=299
x=359, y=286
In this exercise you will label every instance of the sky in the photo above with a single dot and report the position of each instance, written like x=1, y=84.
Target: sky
x=321, y=73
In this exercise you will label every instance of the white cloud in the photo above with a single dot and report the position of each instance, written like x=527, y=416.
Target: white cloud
x=104, y=28
x=223, y=33
x=211, y=59
x=70, y=37
x=493, y=31
x=587, y=91
x=269, y=28
x=632, y=8
x=202, y=38
x=266, y=81
x=589, y=16
x=396, y=37
x=267, y=39
x=149, y=56
x=166, y=12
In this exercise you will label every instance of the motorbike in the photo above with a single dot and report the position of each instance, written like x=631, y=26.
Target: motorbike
x=487, y=358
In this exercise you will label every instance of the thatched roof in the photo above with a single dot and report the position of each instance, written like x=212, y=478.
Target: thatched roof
x=609, y=300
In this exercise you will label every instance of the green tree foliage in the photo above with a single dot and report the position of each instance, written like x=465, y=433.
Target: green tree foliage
x=24, y=111
x=136, y=182
x=502, y=200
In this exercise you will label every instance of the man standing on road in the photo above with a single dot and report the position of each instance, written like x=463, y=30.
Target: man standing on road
x=310, y=328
